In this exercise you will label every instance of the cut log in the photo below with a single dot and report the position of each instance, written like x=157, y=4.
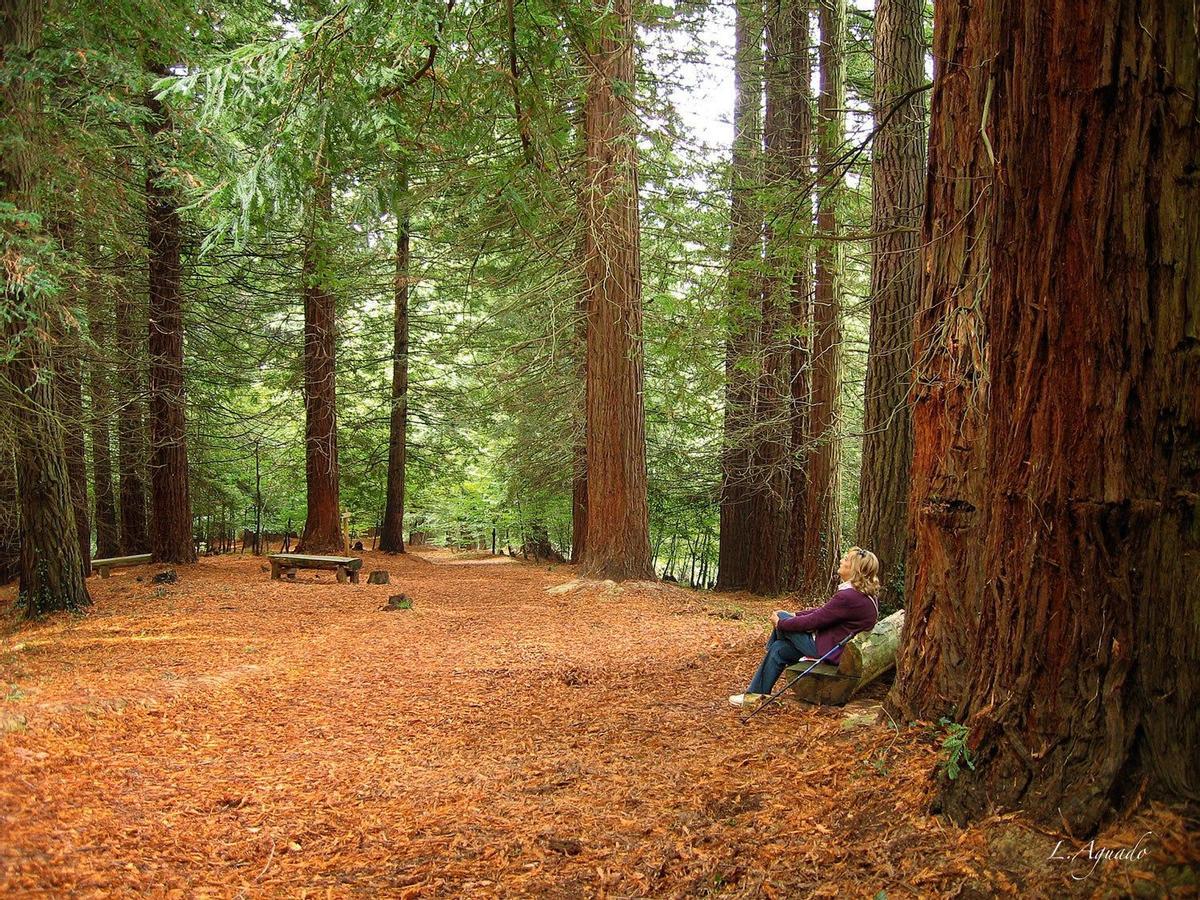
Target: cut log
x=865, y=658
x=379, y=576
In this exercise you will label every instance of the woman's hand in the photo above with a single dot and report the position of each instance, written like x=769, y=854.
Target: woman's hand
x=775, y=617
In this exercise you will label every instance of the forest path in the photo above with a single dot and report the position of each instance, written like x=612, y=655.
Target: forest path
x=231, y=735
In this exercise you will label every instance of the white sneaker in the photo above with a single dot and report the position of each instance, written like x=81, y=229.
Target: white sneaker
x=745, y=700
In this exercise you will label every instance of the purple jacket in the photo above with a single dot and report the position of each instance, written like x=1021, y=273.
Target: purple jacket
x=849, y=611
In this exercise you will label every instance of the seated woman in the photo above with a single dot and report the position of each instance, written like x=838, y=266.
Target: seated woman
x=814, y=632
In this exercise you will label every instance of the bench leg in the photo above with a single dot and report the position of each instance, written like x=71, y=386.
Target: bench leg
x=104, y=571
x=354, y=577
x=341, y=575
x=274, y=571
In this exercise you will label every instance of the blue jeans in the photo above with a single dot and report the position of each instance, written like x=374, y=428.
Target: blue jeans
x=783, y=649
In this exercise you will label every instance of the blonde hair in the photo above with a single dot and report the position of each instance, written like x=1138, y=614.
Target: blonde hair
x=864, y=571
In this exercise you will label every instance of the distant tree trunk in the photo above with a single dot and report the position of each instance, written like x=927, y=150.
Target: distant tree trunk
x=822, y=533
x=897, y=178
x=392, y=538
x=943, y=582
x=51, y=567
x=131, y=431
x=800, y=313
x=770, y=455
x=68, y=398
x=742, y=304
x=1084, y=675
x=322, y=528
x=170, y=499
x=579, y=479
x=618, y=539
x=108, y=534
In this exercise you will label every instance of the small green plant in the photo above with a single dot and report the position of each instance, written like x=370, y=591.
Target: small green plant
x=955, y=752
x=14, y=693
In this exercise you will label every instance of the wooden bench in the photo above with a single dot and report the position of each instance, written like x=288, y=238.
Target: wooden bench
x=287, y=563
x=865, y=658
x=106, y=565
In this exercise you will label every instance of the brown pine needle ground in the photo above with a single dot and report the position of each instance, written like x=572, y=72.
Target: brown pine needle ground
x=229, y=735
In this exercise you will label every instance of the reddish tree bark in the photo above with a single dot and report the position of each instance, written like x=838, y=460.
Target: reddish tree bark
x=322, y=527
x=108, y=534
x=1090, y=545
x=131, y=427
x=800, y=312
x=742, y=306
x=618, y=539
x=771, y=453
x=950, y=383
x=897, y=178
x=170, y=498
x=822, y=532
x=68, y=398
x=51, y=567
x=391, y=539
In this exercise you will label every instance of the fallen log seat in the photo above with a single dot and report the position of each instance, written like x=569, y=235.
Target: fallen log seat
x=865, y=658
x=106, y=565
x=287, y=563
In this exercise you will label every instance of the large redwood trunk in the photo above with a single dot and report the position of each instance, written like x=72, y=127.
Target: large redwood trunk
x=618, y=538
x=950, y=383
x=822, y=532
x=391, y=538
x=51, y=567
x=742, y=306
x=131, y=427
x=800, y=175
x=170, y=499
x=322, y=527
x=108, y=534
x=1083, y=675
x=771, y=456
x=897, y=178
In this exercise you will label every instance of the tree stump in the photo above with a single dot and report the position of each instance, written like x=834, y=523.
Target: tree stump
x=399, y=601
x=379, y=576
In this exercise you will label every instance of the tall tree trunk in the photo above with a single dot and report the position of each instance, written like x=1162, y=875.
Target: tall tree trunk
x=391, y=540
x=897, y=176
x=51, y=567
x=322, y=527
x=131, y=428
x=742, y=305
x=108, y=535
x=579, y=477
x=170, y=499
x=943, y=582
x=800, y=313
x=1083, y=677
x=771, y=459
x=68, y=398
x=822, y=533
x=618, y=539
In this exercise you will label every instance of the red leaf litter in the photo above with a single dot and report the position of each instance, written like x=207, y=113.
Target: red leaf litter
x=233, y=736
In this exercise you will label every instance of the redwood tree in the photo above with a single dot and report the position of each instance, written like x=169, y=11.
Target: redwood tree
x=391, y=539
x=897, y=180
x=51, y=567
x=170, y=500
x=108, y=536
x=1088, y=544
x=130, y=345
x=822, y=531
x=745, y=266
x=949, y=383
x=618, y=538
x=322, y=527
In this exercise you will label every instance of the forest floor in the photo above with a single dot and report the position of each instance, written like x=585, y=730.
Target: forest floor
x=228, y=735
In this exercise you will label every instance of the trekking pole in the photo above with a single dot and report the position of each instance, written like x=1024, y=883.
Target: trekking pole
x=779, y=693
